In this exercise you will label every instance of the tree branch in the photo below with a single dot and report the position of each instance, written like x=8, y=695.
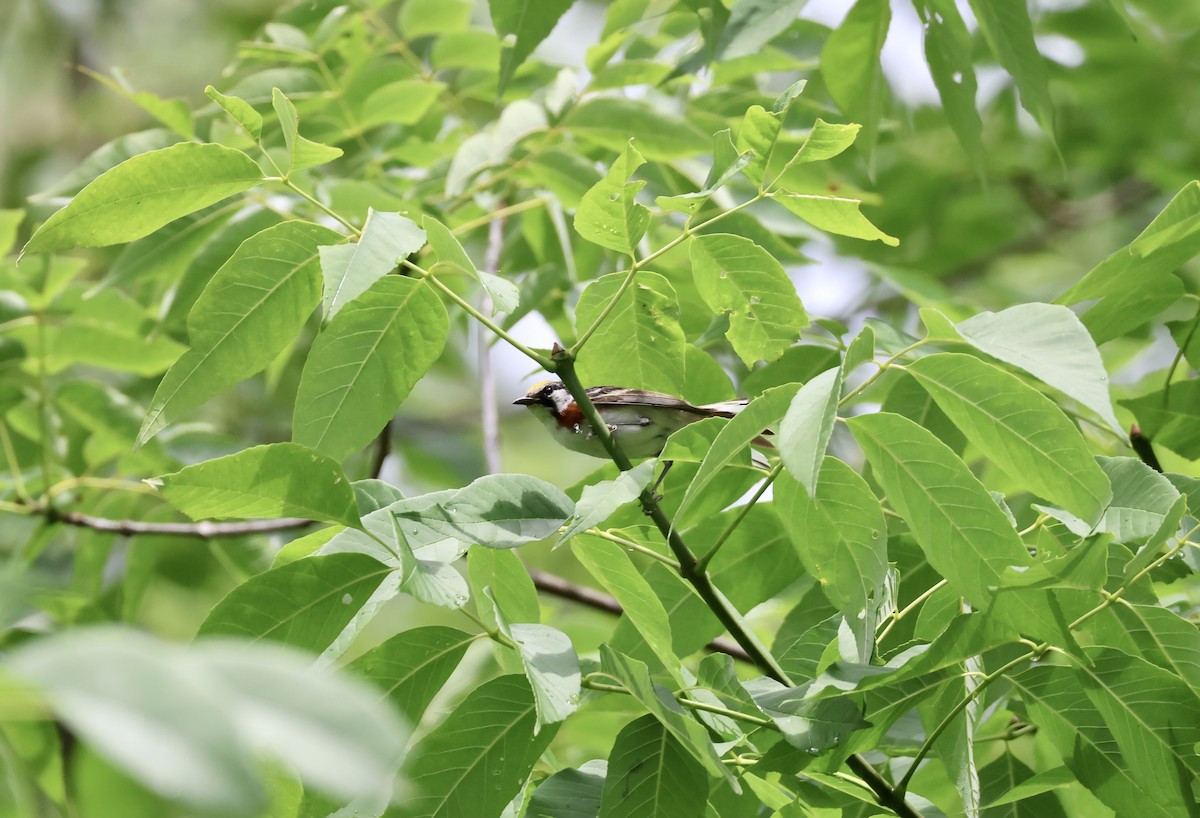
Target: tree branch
x=205, y=529
x=489, y=416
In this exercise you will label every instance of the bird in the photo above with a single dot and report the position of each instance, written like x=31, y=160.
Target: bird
x=639, y=420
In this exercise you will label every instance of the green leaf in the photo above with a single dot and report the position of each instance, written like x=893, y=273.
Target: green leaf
x=474, y=762
x=611, y=121
x=497, y=511
x=1049, y=342
x=1137, y=281
x=253, y=307
x=813, y=725
x=570, y=793
x=738, y=278
x=762, y=413
x=958, y=525
x=277, y=480
x=404, y=102
x=1171, y=417
x=599, y=500
x=651, y=775
x=365, y=362
x=108, y=330
x=948, y=53
x=757, y=134
x=145, y=192
x=635, y=677
x=505, y=295
x=1009, y=33
x=107, y=157
x=329, y=728
x=834, y=215
x=243, y=112
x=301, y=153
x=727, y=162
x=501, y=572
x=305, y=603
x=10, y=220
x=640, y=345
x=612, y=568
x=413, y=665
x=823, y=142
x=851, y=68
x=349, y=270
x=176, y=114
x=423, y=18
x=1141, y=500
x=1017, y=428
x=1125, y=728
x=839, y=533
x=521, y=25
x=609, y=214
x=550, y=664
x=754, y=23
x=807, y=426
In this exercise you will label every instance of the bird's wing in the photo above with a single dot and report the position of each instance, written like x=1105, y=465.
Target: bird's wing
x=622, y=396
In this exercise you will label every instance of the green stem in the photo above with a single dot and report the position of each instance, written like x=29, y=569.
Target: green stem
x=317, y=203
x=896, y=617
x=541, y=360
x=43, y=400
x=703, y=562
x=14, y=466
x=883, y=367
x=633, y=546
x=604, y=687
x=497, y=215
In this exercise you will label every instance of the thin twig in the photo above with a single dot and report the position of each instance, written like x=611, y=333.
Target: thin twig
x=205, y=529
x=489, y=416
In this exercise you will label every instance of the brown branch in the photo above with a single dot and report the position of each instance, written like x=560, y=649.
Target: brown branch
x=205, y=529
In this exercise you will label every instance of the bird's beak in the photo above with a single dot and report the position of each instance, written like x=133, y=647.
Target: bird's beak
x=524, y=400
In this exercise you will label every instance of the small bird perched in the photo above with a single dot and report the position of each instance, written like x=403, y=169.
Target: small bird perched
x=639, y=420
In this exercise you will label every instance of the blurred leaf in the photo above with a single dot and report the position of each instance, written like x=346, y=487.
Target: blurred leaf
x=754, y=23
x=475, y=761
x=851, y=68
x=404, y=102
x=106, y=157
x=948, y=53
x=640, y=345
x=521, y=25
x=365, y=362
x=1006, y=26
x=651, y=775
x=251, y=309
x=738, y=278
x=144, y=193
x=612, y=121
x=350, y=270
x=277, y=480
x=422, y=18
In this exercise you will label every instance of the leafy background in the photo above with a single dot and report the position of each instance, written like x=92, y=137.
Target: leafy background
x=1073, y=154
